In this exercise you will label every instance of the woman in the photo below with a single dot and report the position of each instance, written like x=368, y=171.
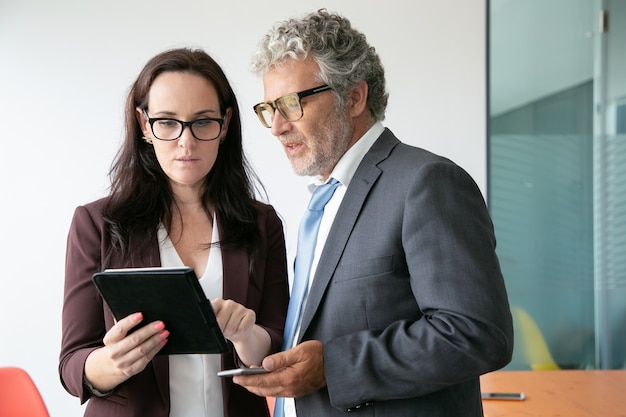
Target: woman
x=181, y=194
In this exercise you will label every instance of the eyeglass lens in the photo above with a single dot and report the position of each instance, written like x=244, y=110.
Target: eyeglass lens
x=288, y=106
x=171, y=129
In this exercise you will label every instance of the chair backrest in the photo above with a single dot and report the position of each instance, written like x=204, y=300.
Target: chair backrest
x=270, y=404
x=19, y=396
x=535, y=349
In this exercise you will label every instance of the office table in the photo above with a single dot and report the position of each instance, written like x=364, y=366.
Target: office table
x=567, y=393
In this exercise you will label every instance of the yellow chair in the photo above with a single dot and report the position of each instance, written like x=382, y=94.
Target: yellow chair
x=534, y=347
x=19, y=396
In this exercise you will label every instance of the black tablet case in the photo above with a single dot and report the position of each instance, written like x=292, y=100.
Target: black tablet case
x=172, y=295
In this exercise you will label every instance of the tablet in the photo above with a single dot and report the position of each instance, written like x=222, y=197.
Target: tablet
x=172, y=295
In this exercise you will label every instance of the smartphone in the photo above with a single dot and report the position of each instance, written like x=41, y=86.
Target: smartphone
x=242, y=371
x=515, y=396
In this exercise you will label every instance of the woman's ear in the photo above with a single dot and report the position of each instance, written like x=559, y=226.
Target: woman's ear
x=227, y=116
x=143, y=123
x=141, y=119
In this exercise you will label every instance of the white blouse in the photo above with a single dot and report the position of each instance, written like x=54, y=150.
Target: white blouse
x=195, y=389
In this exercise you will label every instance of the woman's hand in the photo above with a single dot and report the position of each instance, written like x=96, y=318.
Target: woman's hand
x=252, y=342
x=124, y=355
x=235, y=320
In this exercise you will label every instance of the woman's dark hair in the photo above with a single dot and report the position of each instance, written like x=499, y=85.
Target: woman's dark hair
x=140, y=194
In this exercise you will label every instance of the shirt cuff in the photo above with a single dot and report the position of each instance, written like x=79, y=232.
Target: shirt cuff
x=94, y=391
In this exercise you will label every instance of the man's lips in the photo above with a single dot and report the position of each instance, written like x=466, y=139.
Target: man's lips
x=292, y=147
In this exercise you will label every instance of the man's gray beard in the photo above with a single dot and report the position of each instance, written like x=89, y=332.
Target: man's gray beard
x=325, y=161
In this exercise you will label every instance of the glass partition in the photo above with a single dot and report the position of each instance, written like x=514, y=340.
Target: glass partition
x=556, y=178
x=610, y=188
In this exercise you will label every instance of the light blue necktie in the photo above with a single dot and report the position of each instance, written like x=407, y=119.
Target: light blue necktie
x=307, y=239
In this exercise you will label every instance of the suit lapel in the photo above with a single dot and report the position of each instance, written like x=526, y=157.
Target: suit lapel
x=362, y=182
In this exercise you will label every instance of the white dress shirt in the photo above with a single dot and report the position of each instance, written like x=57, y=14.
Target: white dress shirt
x=343, y=172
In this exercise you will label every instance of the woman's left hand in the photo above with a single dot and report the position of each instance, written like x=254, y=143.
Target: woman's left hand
x=235, y=320
x=238, y=323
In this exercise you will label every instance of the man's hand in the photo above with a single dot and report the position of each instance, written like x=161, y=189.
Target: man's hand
x=293, y=373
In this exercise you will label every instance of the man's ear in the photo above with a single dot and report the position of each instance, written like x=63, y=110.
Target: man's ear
x=357, y=100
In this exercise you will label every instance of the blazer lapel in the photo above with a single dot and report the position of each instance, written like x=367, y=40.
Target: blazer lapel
x=362, y=182
x=160, y=364
x=235, y=262
x=149, y=255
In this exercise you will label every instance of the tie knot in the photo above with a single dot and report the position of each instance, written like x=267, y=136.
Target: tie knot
x=322, y=195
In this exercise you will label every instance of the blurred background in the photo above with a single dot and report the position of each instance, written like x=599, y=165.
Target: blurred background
x=529, y=96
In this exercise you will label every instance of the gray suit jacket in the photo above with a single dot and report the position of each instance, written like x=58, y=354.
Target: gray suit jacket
x=408, y=298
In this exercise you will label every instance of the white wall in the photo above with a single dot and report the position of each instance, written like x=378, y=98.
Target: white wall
x=65, y=67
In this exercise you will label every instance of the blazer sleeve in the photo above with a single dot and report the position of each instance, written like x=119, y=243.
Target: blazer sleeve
x=271, y=276
x=80, y=337
x=439, y=314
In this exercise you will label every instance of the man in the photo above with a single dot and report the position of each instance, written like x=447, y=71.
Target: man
x=406, y=303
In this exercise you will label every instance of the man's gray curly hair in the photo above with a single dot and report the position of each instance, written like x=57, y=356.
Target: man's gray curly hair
x=342, y=53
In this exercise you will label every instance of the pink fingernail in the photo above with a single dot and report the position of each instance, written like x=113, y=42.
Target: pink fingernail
x=138, y=317
x=160, y=325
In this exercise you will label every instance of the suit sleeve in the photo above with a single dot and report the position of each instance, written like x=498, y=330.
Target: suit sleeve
x=451, y=323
